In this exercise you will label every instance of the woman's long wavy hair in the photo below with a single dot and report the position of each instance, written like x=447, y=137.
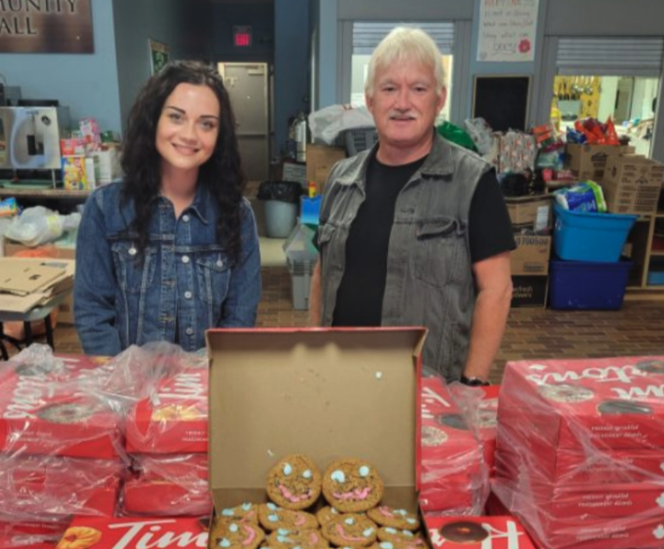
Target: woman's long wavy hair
x=141, y=162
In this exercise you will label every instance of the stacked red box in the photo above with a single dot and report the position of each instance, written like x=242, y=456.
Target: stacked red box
x=43, y=491
x=169, y=486
x=477, y=533
x=580, y=451
x=51, y=407
x=487, y=425
x=61, y=443
x=452, y=473
x=167, y=435
x=138, y=533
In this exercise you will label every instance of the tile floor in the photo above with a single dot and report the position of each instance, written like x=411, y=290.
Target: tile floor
x=637, y=329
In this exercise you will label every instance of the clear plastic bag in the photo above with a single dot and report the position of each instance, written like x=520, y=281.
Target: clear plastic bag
x=39, y=225
x=327, y=123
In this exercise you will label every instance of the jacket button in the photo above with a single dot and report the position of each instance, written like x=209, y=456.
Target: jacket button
x=185, y=259
x=189, y=331
x=188, y=294
x=185, y=218
x=132, y=251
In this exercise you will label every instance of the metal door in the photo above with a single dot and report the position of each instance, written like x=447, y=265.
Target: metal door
x=247, y=85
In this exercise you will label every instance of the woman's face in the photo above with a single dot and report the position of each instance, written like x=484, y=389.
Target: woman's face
x=188, y=127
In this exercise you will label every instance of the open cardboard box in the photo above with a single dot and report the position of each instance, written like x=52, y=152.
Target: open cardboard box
x=325, y=393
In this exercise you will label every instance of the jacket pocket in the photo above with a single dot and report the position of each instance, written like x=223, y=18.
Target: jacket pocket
x=213, y=273
x=439, y=248
x=135, y=276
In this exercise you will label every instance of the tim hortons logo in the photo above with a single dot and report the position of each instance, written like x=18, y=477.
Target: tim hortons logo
x=640, y=393
x=510, y=536
x=430, y=397
x=189, y=386
x=620, y=374
x=26, y=397
x=152, y=533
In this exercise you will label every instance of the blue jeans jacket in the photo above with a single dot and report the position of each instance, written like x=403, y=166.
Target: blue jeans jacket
x=184, y=285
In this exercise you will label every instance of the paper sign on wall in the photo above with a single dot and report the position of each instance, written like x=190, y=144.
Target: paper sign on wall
x=507, y=30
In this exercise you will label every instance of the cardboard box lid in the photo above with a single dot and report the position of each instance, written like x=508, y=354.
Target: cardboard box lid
x=326, y=393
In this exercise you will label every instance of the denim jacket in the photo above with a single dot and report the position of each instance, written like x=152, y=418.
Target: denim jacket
x=184, y=284
x=429, y=271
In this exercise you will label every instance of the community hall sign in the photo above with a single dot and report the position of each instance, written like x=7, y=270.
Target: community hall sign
x=46, y=26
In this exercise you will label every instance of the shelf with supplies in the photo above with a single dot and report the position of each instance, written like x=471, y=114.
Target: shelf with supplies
x=43, y=193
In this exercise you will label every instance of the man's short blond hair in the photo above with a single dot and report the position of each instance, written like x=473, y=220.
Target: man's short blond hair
x=406, y=44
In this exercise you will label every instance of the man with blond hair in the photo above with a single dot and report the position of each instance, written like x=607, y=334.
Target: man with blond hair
x=415, y=231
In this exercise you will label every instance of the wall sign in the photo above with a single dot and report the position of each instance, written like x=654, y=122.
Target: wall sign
x=159, y=56
x=507, y=30
x=46, y=26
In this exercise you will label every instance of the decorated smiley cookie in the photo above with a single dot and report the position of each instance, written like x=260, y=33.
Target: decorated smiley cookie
x=396, y=545
x=350, y=529
x=387, y=533
x=395, y=518
x=273, y=517
x=284, y=538
x=231, y=534
x=326, y=513
x=247, y=512
x=294, y=483
x=352, y=485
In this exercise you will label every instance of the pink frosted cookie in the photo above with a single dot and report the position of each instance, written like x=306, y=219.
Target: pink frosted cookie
x=294, y=483
x=396, y=518
x=247, y=512
x=350, y=530
x=272, y=517
x=230, y=534
x=387, y=533
x=352, y=485
x=285, y=538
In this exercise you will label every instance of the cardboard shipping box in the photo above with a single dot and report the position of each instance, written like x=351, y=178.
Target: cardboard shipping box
x=66, y=308
x=28, y=282
x=589, y=161
x=529, y=290
x=320, y=159
x=325, y=393
x=530, y=211
x=531, y=256
x=632, y=184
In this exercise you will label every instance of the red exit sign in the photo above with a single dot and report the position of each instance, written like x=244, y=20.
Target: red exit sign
x=242, y=36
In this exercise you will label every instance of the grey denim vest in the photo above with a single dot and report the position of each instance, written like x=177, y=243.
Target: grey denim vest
x=429, y=277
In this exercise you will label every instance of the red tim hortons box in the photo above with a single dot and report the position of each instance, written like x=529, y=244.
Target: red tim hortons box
x=58, y=412
x=589, y=465
x=477, y=532
x=128, y=533
x=49, y=488
x=581, y=531
x=451, y=470
x=174, y=418
x=175, y=485
x=608, y=403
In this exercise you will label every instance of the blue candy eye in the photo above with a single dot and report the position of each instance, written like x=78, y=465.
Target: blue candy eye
x=272, y=506
x=224, y=543
x=233, y=527
x=246, y=506
x=227, y=512
x=273, y=518
x=368, y=532
x=338, y=476
x=287, y=469
x=364, y=471
x=307, y=474
x=350, y=521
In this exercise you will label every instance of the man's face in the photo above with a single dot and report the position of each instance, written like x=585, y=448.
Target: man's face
x=405, y=103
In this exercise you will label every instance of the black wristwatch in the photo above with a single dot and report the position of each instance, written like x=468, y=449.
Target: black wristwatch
x=473, y=381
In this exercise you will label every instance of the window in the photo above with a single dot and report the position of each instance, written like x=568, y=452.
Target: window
x=367, y=35
x=616, y=77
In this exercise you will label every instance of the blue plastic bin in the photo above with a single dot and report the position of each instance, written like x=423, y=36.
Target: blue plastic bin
x=583, y=236
x=587, y=284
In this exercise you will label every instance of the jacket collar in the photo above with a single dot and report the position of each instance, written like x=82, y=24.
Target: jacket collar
x=438, y=163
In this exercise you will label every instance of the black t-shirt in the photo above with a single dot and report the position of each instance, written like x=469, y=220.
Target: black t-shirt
x=360, y=296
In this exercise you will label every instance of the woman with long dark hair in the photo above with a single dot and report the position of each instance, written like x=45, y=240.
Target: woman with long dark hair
x=171, y=250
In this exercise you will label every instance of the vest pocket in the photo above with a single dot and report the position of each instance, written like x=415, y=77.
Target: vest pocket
x=439, y=243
